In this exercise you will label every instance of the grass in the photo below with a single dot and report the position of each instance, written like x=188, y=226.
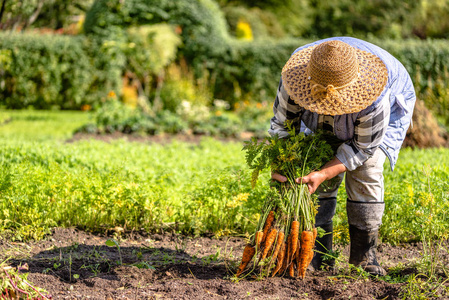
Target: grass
x=29, y=125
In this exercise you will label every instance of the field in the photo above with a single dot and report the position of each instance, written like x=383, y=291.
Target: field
x=167, y=218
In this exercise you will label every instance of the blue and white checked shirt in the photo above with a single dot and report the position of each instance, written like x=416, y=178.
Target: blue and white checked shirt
x=382, y=124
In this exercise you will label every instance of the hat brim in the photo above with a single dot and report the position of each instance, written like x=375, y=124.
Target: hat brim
x=354, y=97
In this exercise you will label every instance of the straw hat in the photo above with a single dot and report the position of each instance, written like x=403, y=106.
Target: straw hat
x=334, y=78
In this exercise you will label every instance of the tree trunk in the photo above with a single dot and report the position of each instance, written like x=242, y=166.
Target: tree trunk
x=34, y=16
x=2, y=10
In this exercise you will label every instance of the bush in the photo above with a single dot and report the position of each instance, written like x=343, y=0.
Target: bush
x=263, y=23
x=427, y=63
x=46, y=71
x=201, y=23
x=237, y=69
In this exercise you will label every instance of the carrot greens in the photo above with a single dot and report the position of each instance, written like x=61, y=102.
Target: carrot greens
x=289, y=210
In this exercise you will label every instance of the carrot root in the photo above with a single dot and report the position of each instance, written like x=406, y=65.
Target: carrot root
x=248, y=254
x=307, y=244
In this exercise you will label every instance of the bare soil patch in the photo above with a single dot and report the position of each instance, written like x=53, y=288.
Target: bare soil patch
x=73, y=264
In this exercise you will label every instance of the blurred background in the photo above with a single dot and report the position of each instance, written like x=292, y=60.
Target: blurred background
x=207, y=67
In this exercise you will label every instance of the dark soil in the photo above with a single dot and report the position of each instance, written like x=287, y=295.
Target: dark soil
x=72, y=264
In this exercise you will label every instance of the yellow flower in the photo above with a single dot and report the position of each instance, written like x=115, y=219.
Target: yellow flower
x=244, y=31
x=237, y=200
x=111, y=94
x=86, y=107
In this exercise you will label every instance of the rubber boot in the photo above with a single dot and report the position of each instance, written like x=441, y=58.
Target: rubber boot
x=364, y=220
x=323, y=219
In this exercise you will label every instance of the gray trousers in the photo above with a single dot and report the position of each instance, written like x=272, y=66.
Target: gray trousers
x=364, y=184
x=365, y=190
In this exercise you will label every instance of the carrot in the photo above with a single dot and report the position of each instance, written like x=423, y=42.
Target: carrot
x=307, y=244
x=315, y=233
x=267, y=226
x=280, y=259
x=295, y=237
x=287, y=254
x=291, y=269
x=279, y=241
x=269, y=243
x=248, y=254
x=297, y=256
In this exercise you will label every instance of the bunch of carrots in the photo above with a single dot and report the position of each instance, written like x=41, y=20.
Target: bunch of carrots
x=285, y=236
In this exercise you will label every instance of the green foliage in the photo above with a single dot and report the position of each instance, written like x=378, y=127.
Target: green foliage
x=380, y=18
x=384, y=18
x=202, y=23
x=60, y=13
x=115, y=116
x=263, y=23
x=48, y=71
x=149, y=50
x=294, y=156
x=413, y=204
x=417, y=197
x=96, y=185
x=46, y=182
x=53, y=14
x=426, y=63
x=293, y=17
x=431, y=21
x=251, y=69
x=38, y=126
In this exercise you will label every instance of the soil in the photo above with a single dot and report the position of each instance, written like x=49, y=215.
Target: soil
x=73, y=264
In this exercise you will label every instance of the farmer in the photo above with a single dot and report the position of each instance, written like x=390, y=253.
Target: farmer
x=364, y=98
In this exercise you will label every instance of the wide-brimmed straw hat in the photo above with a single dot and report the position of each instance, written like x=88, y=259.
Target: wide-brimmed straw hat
x=334, y=78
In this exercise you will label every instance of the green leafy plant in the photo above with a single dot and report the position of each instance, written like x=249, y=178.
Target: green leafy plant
x=290, y=211
x=112, y=243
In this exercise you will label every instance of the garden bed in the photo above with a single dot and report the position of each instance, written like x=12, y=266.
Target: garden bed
x=72, y=264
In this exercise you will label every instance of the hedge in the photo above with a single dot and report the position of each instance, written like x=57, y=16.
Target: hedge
x=201, y=23
x=67, y=72
x=56, y=72
x=237, y=69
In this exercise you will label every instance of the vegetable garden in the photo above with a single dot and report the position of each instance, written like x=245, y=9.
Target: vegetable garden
x=135, y=161
x=144, y=191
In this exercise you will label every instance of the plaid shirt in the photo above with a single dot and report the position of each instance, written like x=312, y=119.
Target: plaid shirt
x=360, y=134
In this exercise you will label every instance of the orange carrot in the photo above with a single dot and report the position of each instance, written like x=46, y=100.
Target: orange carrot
x=315, y=233
x=279, y=241
x=280, y=259
x=297, y=256
x=291, y=269
x=287, y=254
x=248, y=254
x=267, y=226
x=307, y=244
x=269, y=243
x=295, y=237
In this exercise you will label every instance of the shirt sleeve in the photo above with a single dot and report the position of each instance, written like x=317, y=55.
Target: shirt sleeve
x=284, y=108
x=369, y=131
